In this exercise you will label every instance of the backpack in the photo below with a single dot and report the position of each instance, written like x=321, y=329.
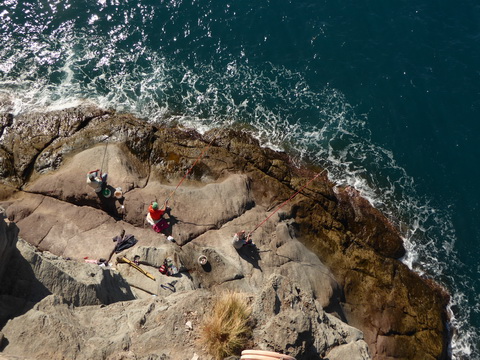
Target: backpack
x=163, y=269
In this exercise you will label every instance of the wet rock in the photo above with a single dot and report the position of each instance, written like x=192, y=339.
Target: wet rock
x=382, y=296
x=7, y=169
x=5, y=121
x=368, y=224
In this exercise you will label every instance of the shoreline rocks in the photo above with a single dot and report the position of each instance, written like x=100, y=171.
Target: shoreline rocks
x=326, y=260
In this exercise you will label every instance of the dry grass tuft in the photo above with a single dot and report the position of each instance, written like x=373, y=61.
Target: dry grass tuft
x=226, y=329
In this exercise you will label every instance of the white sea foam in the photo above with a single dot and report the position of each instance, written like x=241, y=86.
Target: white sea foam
x=277, y=105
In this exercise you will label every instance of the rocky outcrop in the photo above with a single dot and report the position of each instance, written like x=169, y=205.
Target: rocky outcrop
x=25, y=137
x=168, y=328
x=30, y=275
x=326, y=260
x=79, y=284
x=288, y=323
x=389, y=302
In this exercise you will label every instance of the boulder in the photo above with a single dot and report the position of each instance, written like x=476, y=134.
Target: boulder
x=8, y=240
x=194, y=210
x=286, y=320
x=64, y=229
x=34, y=275
x=68, y=183
x=291, y=321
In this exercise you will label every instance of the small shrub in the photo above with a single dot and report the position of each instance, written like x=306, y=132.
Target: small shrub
x=226, y=330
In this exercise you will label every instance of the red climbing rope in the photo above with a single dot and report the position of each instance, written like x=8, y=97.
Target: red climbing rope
x=285, y=202
x=189, y=170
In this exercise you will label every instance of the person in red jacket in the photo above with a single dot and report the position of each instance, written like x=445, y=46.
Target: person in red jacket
x=155, y=212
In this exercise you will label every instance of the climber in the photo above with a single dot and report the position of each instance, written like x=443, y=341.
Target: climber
x=154, y=213
x=240, y=240
x=155, y=217
x=97, y=180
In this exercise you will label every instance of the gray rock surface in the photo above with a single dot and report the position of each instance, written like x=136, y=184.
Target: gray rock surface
x=70, y=326
x=314, y=268
x=8, y=241
x=288, y=323
x=353, y=351
x=156, y=326
x=80, y=284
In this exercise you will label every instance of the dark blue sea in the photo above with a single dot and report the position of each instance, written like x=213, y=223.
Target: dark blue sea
x=386, y=95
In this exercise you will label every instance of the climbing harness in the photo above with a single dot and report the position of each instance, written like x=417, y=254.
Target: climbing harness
x=189, y=170
x=284, y=203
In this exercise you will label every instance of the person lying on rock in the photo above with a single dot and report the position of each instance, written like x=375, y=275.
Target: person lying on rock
x=240, y=240
x=97, y=180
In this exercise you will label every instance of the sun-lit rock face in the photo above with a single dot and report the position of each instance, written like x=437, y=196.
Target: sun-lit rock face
x=324, y=279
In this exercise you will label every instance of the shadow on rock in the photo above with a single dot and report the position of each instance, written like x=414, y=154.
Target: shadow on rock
x=172, y=220
x=109, y=204
x=207, y=267
x=3, y=343
x=335, y=308
x=20, y=290
x=251, y=254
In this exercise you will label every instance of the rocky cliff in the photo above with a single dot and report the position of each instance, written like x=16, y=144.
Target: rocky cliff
x=324, y=280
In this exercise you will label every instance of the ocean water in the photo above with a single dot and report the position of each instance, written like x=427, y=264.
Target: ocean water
x=386, y=95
